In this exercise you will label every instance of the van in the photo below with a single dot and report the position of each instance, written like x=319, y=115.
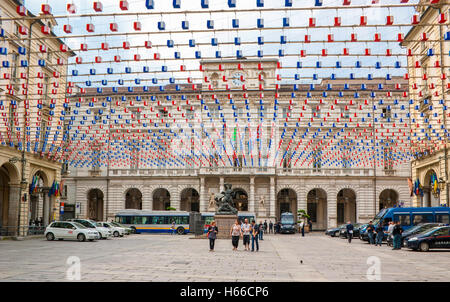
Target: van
x=409, y=217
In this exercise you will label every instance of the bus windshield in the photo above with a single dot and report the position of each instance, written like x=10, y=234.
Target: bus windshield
x=287, y=219
x=379, y=216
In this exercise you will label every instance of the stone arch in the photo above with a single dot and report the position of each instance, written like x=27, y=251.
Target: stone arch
x=95, y=204
x=133, y=199
x=160, y=199
x=388, y=198
x=346, y=205
x=286, y=201
x=317, y=203
x=430, y=197
x=12, y=171
x=241, y=199
x=190, y=200
x=44, y=174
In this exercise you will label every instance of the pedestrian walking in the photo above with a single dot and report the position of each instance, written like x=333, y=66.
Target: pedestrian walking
x=397, y=232
x=271, y=227
x=235, y=233
x=261, y=230
x=265, y=226
x=349, y=228
x=370, y=230
x=173, y=227
x=212, y=235
x=380, y=234
x=310, y=225
x=246, y=229
x=256, y=230
x=302, y=228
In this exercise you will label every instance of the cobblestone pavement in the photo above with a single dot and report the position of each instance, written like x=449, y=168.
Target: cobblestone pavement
x=181, y=258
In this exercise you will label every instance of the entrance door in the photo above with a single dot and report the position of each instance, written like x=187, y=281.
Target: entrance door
x=340, y=213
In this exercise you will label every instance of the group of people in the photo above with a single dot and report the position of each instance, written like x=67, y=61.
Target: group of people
x=376, y=234
x=245, y=230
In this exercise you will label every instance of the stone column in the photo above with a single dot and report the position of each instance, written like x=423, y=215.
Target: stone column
x=272, y=197
x=203, y=205
x=331, y=209
x=221, y=187
x=46, y=210
x=14, y=199
x=251, y=199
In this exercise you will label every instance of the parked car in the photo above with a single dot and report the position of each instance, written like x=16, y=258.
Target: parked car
x=70, y=230
x=334, y=232
x=418, y=229
x=437, y=237
x=128, y=230
x=116, y=231
x=105, y=233
x=343, y=230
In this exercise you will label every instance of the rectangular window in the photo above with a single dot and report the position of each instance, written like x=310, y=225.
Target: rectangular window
x=405, y=219
x=422, y=218
x=443, y=218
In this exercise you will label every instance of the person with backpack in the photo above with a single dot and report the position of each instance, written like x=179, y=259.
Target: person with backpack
x=349, y=228
x=212, y=235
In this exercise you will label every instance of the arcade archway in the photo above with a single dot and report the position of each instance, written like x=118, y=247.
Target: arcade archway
x=95, y=205
x=317, y=208
x=190, y=200
x=388, y=198
x=286, y=202
x=161, y=199
x=346, y=206
x=133, y=199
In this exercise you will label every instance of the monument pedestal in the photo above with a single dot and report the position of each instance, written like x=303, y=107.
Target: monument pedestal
x=224, y=222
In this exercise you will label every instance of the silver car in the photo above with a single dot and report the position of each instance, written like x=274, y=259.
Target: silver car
x=70, y=230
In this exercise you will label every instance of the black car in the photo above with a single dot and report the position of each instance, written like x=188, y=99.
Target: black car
x=418, y=229
x=437, y=237
x=334, y=232
x=343, y=231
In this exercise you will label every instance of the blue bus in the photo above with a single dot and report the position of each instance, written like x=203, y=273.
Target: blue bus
x=409, y=217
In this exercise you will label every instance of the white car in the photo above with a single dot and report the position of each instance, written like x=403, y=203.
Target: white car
x=116, y=231
x=128, y=230
x=70, y=230
x=105, y=233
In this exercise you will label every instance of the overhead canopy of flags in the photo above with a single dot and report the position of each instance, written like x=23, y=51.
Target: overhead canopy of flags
x=145, y=86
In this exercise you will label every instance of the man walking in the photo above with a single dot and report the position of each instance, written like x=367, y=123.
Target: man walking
x=380, y=234
x=302, y=228
x=397, y=232
x=256, y=230
x=261, y=230
x=370, y=230
x=271, y=227
x=349, y=228
x=265, y=226
x=246, y=228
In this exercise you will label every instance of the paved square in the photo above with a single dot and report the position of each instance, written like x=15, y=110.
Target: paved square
x=181, y=258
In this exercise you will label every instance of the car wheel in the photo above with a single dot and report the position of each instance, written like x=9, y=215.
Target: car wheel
x=424, y=247
x=116, y=234
x=50, y=236
x=180, y=231
x=133, y=230
x=81, y=237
